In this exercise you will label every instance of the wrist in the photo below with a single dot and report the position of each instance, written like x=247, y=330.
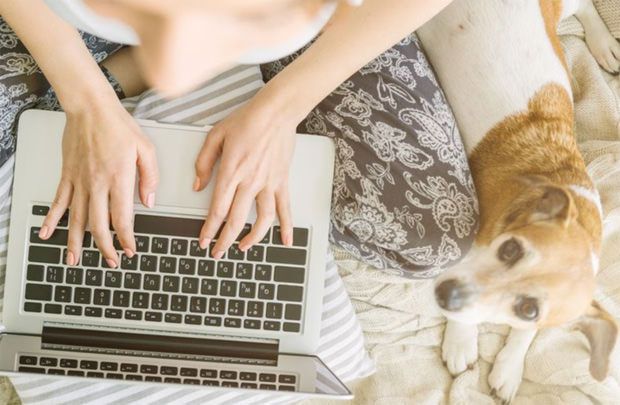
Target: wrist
x=85, y=95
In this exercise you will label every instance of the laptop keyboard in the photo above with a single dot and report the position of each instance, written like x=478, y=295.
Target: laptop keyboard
x=143, y=371
x=170, y=279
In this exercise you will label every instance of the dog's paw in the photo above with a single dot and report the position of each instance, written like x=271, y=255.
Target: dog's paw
x=506, y=375
x=605, y=49
x=459, y=350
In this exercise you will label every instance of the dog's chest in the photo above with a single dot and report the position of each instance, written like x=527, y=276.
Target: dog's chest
x=491, y=57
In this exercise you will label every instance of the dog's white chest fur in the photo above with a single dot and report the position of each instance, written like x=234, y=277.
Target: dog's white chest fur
x=491, y=57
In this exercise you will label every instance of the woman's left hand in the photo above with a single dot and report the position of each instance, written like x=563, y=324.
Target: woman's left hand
x=255, y=144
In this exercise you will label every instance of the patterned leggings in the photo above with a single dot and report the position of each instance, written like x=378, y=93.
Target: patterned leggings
x=403, y=197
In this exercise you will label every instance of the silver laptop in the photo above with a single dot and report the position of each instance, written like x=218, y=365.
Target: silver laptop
x=171, y=314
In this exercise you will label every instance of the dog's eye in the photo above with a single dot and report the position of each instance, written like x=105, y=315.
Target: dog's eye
x=510, y=251
x=526, y=308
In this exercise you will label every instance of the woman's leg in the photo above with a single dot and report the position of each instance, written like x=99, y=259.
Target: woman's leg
x=403, y=196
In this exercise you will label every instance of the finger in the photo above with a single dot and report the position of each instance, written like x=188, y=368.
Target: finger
x=615, y=49
x=220, y=205
x=236, y=220
x=121, y=212
x=283, y=208
x=148, y=173
x=265, y=214
x=58, y=208
x=209, y=153
x=78, y=216
x=98, y=215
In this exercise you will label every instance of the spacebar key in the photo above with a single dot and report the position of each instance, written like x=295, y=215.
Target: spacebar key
x=286, y=255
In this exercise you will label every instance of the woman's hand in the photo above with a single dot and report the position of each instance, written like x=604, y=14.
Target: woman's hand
x=102, y=145
x=255, y=144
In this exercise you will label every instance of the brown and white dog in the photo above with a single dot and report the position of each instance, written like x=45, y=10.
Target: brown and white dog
x=535, y=258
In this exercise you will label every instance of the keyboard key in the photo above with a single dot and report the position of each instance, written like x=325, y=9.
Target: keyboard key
x=82, y=296
x=244, y=232
x=128, y=263
x=148, y=369
x=208, y=287
x=225, y=269
x=58, y=238
x=101, y=297
x=286, y=388
x=62, y=293
x=234, y=253
x=228, y=288
x=274, y=310
x=90, y=258
x=133, y=377
x=114, y=376
x=267, y=377
x=93, y=312
x=117, y=243
x=152, y=378
x=172, y=380
x=41, y=210
x=140, y=300
x=28, y=360
x=290, y=293
x=262, y=272
x=94, y=277
x=132, y=281
x=300, y=236
x=244, y=271
x=113, y=313
x=173, y=318
x=187, y=266
x=132, y=315
x=292, y=312
x=129, y=368
x=73, y=310
x=236, y=307
x=289, y=274
x=142, y=243
x=207, y=373
x=245, y=376
x=75, y=373
x=249, y=386
x=159, y=302
x=266, y=291
x=52, y=309
x=251, y=324
x=33, y=306
x=206, y=268
x=191, y=381
x=108, y=366
x=167, y=264
x=159, y=245
x=178, y=247
x=54, y=274
x=256, y=253
x=178, y=303
x=36, y=370
x=68, y=363
x=120, y=298
x=291, y=327
x=270, y=387
x=74, y=275
x=211, y=383
x=193, y=319
x=195, y=250
x=152, y=282
x=213, y=321
x=41, y=292
x=247, y=289
x=271, y=325
x=148, y=263
x=113, y=278
x=188, y=372
x=217, y=306
x=189, y=285
x=255, y=309
x=35, y=272
x=198, y=305
x=228, y=375
x=286, y=255
x=171, y=284
x=153, y=316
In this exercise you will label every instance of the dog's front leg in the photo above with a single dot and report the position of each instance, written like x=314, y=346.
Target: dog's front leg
x=507, y=372
x=602, y=44
x=459, y=350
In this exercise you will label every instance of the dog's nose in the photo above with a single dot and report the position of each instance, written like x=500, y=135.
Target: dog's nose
x=451, y=294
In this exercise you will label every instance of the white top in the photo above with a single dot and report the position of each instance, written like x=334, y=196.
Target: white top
x=83, y=18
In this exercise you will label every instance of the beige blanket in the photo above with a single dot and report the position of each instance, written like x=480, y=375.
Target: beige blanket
x=404, y=331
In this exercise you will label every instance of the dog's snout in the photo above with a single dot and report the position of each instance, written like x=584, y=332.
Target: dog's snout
x=451, y=294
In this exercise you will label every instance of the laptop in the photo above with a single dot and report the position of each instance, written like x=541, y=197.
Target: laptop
x=171, y=315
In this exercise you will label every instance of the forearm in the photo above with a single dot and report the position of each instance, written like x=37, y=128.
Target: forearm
x=59, y=51
x=353, y=38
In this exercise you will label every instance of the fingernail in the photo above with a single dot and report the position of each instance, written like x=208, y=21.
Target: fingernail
x=150, y=200
x=204, y=243
x=43, y=232
x=128, y=252
x=243, y=248
x=70, y=259
x=111, y=263
x=288, y=240
x=196, y=185
x=218, y=254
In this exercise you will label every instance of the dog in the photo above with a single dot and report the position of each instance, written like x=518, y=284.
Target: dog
x=535, y=257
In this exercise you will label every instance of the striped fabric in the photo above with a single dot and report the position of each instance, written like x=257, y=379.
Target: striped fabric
x=341, y=344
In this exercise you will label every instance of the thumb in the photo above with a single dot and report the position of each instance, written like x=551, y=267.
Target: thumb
x=207, y=158
x=148, y=172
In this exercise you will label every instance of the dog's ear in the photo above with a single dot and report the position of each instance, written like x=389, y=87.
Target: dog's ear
x=602, y=332
x=543, y=202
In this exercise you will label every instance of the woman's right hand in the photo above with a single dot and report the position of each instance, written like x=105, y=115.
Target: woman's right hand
x=102, y=146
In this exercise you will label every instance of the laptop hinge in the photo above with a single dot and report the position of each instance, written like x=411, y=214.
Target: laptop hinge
x=141, y=343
